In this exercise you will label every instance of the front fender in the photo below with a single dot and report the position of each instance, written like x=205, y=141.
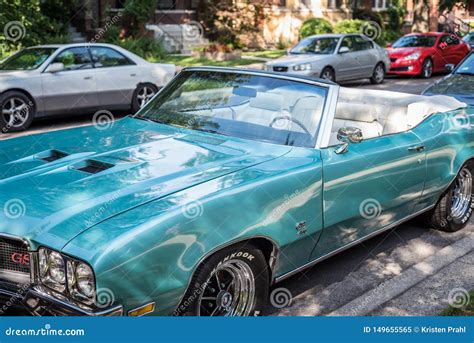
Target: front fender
x=150, y=253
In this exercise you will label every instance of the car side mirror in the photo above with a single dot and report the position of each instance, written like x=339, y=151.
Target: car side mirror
x=449, y=67
x=344, y=50
x=55, y=67
x=348, y=135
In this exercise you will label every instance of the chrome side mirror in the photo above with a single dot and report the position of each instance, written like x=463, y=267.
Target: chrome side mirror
x=449, y=67
x=348, y=135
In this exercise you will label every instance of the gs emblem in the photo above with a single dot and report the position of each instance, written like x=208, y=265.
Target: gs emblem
x=19, y=258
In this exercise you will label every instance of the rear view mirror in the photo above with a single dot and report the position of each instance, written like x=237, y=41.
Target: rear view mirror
x=55, y=67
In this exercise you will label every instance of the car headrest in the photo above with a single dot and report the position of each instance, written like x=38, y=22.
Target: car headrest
x=356, y=112
x=267, y=101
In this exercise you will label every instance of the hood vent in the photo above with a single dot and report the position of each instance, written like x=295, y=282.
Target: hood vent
x=94, y=167
x=53, y=155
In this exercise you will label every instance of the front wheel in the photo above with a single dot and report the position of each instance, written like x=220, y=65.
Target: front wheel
x=17, y=113
x=455, y=207
x=427, y=69
x=328, y=74
x=233, y=282
x=378, y=75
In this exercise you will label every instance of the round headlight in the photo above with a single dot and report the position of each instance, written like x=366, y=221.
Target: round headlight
x=57, y=270
x=85, y=280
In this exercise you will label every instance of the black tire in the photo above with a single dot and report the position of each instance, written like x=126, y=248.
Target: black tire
x=136, y=105
x=446, y=216
x=427, y=68
x=328, y=74
x=378, y=78
x=27, y=112
x=204, y=284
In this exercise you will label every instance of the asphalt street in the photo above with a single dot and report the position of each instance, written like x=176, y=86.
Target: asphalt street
x=353, y=274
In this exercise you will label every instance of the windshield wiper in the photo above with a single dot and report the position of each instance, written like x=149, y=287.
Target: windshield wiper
x=151, y=120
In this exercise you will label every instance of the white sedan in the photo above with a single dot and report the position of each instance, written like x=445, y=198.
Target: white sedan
x=51, y=80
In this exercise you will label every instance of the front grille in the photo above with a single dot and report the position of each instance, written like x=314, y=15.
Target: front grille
x=280, y=69
x=400, y=69
x=14, y=256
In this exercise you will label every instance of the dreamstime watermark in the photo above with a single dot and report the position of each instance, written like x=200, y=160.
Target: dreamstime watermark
x=105, y=297
x=109, y=22
x=185, y=303
x=458, y=297
x=281, y=209
x=370, y=208
x=14, y=30
x=17, y=113
x=103, y=120
x=281, y=297
x=19, y=294
x=47, y=330
x=14, y=209
x=193, y=209
x=192, y=31
x=100, y=212
x=371, y=29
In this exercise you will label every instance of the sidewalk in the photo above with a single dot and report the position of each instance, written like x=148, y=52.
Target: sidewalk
x=413, y=278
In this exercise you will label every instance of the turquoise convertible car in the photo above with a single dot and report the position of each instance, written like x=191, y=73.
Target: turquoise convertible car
x=225, y=183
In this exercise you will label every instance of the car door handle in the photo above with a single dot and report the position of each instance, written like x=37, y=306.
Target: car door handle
x=418, y=148
x=88, y=78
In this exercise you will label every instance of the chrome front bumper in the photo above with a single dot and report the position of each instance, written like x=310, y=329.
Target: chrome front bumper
x=31, y=301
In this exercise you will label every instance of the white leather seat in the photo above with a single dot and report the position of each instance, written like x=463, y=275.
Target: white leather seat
x=262, y=109
x=355, y=115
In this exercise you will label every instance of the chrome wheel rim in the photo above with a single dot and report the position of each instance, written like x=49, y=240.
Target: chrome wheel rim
x=327, y=75
x=15, y=112
x=144, y=95
x=229, y=291
x=462, y=194
x=379, y=74
x=428, y=69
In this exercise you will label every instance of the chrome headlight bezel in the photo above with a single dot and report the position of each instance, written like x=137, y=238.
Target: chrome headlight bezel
x=302, y=67
x=80, y=287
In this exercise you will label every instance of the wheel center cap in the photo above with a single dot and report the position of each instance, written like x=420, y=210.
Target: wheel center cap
x=224, y=299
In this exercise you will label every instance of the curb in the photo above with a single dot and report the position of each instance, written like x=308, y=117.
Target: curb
x=392, y=288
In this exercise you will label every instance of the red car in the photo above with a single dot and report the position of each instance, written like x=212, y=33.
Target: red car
x=426, y=53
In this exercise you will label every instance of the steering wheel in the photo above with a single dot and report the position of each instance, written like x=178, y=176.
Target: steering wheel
x=296, y=121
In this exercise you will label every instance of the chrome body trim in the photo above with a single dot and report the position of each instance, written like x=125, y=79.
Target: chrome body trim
x=350, y=245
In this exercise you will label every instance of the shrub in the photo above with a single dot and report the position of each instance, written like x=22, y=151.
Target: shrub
x=315, y=26
x=349, y=26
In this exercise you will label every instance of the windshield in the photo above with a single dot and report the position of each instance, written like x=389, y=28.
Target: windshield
x=415, y=41
x=241, y=105
x=27, y=59
x=469, y=38
x=319, y=46
x=466, y=67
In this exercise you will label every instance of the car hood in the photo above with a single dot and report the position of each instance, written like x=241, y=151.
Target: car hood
x=107, y=172
x=459, y=86
x=14, y=73
x=297, y=59
x=402, y=52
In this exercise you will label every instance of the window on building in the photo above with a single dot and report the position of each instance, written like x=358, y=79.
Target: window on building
x=334, y=4
x=380, y=4
x=166, y=4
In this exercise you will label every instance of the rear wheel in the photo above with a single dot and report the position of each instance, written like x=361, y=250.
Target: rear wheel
x=17, y=111
x=379, y=74
x=455, y=207
x=328, y=74
x=233, y=282
x=427, y=68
